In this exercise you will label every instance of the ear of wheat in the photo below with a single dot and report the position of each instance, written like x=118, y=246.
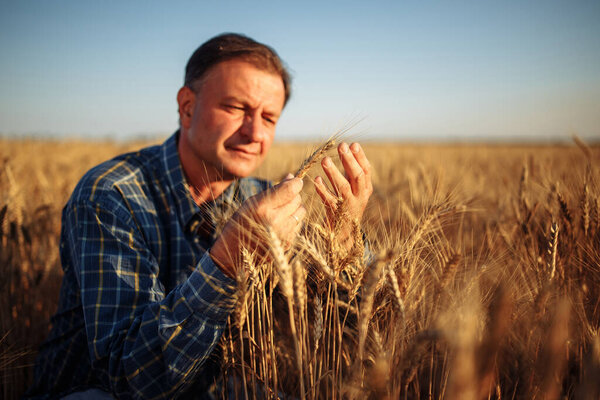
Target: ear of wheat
x=321, y=152
x=317, y=155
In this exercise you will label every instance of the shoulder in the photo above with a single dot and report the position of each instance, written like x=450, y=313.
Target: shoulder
x=125, y=174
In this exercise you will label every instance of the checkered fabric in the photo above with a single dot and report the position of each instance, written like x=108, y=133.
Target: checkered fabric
x=142, y=304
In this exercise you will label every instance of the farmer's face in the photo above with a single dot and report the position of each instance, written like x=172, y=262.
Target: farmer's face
x=228, y=121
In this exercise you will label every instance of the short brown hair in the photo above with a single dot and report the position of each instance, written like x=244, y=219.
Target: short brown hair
x=229, y=46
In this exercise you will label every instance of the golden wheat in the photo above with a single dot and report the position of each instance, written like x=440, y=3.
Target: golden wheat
x=466, y=287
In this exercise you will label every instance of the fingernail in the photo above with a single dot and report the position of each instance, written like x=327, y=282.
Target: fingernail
x=343, y=148
x=355, y=147
x=327, y=162
x=289, y=176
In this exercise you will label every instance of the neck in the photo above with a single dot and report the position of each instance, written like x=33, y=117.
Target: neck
x=204, y=182
x=202, y=192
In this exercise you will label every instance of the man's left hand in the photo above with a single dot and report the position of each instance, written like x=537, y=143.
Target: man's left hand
x=354, y=189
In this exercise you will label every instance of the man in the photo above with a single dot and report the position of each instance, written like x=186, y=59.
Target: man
x=148, y=283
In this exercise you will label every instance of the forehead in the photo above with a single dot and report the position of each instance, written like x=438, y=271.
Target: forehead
x=241, y=78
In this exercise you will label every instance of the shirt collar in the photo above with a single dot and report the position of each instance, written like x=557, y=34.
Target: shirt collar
x=187, y=209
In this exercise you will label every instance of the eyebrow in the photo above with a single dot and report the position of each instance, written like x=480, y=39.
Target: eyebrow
x=233, y=98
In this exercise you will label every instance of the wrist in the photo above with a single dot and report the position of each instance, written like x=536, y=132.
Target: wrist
x=221, y=257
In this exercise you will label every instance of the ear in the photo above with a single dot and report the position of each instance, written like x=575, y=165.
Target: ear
x=186, y=100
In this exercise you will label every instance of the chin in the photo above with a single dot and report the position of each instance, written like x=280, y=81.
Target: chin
x=240, y=169
x=234, y=173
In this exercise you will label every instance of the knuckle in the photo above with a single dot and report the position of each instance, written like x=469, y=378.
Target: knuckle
x=301, y=212
x=263, y=212
x=271, y=216
x=358, y=176
x=345, y=187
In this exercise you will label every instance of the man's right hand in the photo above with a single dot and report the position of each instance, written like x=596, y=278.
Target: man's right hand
x=279, y=208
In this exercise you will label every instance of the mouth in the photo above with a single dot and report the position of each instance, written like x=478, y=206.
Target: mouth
x=248, y=152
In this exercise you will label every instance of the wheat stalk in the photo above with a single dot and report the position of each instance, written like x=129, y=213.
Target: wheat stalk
x=552, y=246
x=583, y=146
x=564, y=208
x=287, y=287
x=523, y=186
x=585, y=209
x=366, y=305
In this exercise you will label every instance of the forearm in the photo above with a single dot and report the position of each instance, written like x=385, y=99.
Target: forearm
x=142, y=342
x=159, y=351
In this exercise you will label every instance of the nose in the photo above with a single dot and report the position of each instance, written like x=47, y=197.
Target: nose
x=253, y=128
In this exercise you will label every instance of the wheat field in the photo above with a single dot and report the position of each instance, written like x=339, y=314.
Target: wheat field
x=480, y=278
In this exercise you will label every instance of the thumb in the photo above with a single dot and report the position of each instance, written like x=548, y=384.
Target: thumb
x=286, y=178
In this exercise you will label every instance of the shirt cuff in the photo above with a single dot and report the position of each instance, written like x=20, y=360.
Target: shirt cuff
x=209, y=291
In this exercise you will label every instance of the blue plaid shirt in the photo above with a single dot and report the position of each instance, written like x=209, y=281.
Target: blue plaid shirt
x=142, y=304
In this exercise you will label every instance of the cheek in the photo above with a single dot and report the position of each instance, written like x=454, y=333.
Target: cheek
x=222, y=126
x=267, y=142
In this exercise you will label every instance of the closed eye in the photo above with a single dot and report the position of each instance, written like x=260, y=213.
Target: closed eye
x=232, y=107
x=269, y=120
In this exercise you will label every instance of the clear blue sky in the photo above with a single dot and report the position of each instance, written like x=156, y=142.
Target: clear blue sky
x=408, y=70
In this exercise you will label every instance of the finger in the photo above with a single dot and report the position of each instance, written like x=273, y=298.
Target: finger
x=298, y=216
x=288, y=208
x=354, y=171
x=340, y=184
x=279, y=218
x=361, y=158
x=289, y=228
x=284, y=192
x=324, y=193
